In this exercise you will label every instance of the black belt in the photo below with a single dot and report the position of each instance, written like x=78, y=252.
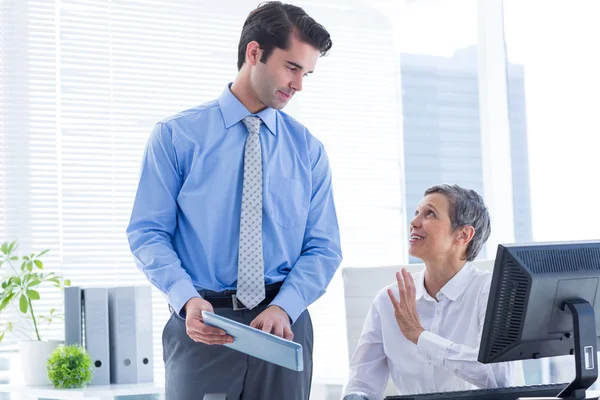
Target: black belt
x=228, y=298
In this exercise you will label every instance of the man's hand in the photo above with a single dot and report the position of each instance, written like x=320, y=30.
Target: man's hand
x=405, y=310
x=274, y=320
x=195, y=327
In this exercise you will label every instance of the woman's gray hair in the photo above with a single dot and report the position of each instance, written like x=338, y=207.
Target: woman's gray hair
x=466, y=208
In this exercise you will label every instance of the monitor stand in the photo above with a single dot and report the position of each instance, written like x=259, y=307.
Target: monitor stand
x=584, y=330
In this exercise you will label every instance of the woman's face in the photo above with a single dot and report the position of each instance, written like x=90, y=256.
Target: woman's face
x=431, y=235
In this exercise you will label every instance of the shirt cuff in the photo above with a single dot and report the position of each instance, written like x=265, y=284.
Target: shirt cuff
x=288, y=300
x=433, y=347
x=355, y=396
x=180, y=293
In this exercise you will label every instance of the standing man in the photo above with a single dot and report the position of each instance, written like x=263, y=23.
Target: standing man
x=234, y=214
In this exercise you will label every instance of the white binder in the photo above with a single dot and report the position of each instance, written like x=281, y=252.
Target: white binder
x=96, y=332
x=73, y=315
x=131, y=334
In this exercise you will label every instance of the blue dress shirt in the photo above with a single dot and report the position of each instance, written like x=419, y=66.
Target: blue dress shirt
x=185, y=224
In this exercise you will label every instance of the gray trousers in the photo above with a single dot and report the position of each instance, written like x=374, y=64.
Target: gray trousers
x=195, y=369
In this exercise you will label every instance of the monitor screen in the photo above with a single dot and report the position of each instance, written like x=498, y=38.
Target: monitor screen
x=536, y=291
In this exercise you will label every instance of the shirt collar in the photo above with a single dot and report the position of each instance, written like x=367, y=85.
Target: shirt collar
x=453, y=288
x=234, y=111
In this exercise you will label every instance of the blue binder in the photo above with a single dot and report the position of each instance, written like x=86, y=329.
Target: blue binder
x=257, y=343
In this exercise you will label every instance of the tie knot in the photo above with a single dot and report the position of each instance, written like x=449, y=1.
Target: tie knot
x=252, y=123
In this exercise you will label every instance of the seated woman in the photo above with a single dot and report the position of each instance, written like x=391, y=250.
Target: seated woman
x=425, y=329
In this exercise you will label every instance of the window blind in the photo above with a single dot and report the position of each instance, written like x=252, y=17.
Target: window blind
x=83, y=83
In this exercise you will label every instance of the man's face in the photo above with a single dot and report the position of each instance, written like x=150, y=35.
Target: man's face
x=277, y=80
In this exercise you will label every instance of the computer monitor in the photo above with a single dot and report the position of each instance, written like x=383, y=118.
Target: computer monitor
x=545, y=301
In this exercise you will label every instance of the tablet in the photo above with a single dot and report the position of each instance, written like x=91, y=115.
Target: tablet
x=257, y=343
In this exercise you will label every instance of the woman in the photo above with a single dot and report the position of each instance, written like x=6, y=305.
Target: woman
x=425, y=329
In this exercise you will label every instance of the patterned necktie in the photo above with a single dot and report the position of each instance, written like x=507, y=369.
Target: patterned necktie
x=251, y=275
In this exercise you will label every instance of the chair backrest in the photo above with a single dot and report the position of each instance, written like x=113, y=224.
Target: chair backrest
x=361, y=285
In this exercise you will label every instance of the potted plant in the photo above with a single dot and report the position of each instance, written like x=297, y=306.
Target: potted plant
x=70, y=367
x=21, y=278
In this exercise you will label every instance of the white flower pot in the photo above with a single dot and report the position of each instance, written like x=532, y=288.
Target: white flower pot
x=34, y=356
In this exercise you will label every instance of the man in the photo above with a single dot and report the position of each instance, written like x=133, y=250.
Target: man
x=235, y=214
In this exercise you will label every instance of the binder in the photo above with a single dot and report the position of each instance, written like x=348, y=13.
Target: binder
x=73, y=315
x=131, y=355
x=96, y=332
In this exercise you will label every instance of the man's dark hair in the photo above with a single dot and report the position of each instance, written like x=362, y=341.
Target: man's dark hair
x=273, y=23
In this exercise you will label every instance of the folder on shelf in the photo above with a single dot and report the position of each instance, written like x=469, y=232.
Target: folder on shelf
x=73, y=315
x=96, y=331
x=131, y=353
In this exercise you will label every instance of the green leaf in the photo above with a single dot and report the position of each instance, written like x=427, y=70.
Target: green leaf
x=14, y=258
x=2, y=336
x=6, y=301
x=39, y=264
x=23, y=305
x=52, y=311
x=12, y=246
x=23, y=265
x=33, y=295
x=16, y=280
x=42, y=253
x=67, y=282
x=4, y=248
x=29, y=266
x=25, y=258
x=34, y=282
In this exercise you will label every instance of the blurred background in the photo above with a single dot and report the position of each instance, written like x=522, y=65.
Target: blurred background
x=499, y=96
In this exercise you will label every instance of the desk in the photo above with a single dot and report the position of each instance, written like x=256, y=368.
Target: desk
x=100, y=392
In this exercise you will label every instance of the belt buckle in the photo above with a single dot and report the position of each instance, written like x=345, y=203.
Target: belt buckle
x=237, y=305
